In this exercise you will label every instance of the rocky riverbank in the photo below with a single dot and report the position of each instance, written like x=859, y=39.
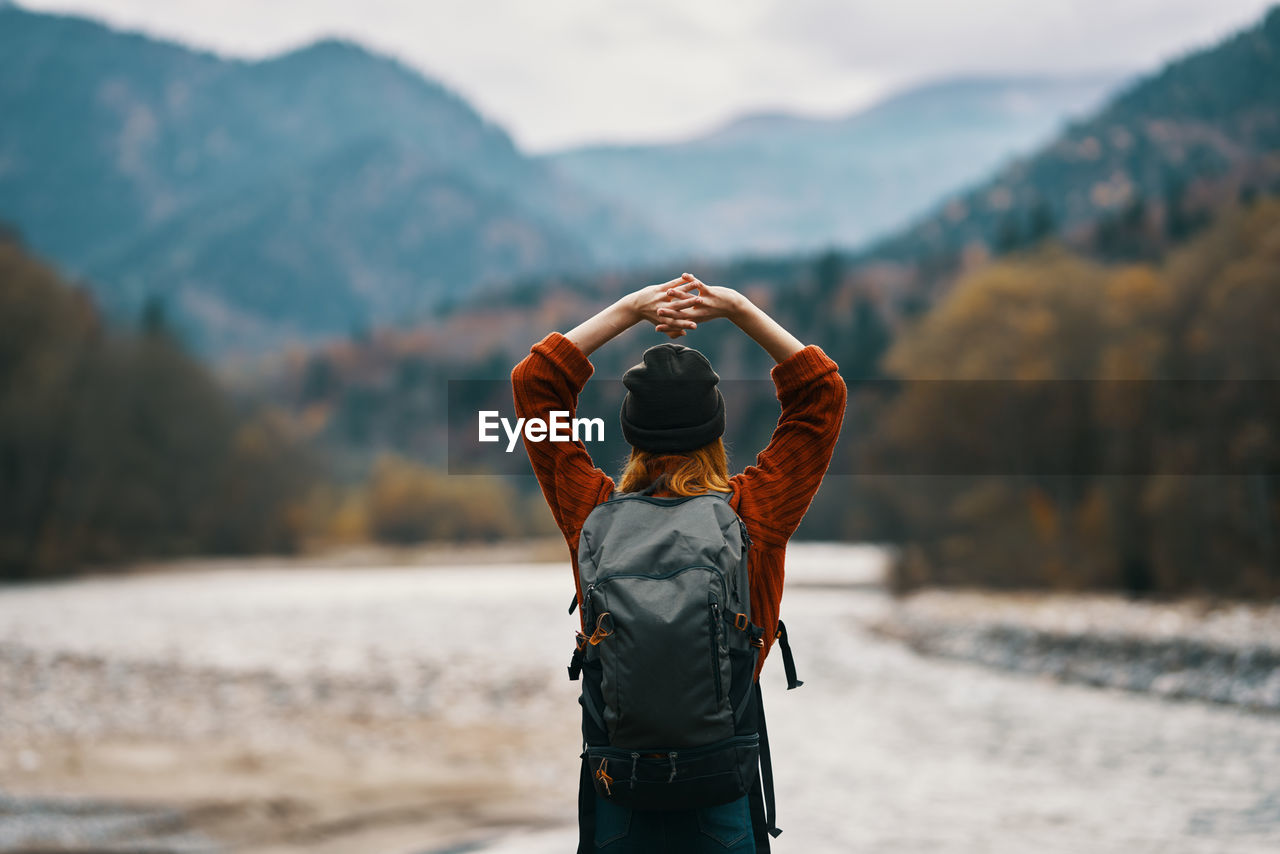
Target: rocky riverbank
x=329, y=708
x=407, y=706
x=1198, y=650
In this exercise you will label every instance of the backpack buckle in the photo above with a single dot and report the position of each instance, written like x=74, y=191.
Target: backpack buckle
x=740, y=622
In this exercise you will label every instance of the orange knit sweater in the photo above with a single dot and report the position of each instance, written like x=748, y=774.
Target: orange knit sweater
x=770, y=496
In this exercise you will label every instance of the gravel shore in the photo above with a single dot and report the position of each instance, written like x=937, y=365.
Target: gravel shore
x=361, y=705
x=285, y=709
x=1199, y=650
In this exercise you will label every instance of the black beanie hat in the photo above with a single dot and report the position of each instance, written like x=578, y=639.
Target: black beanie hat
x=672, y=403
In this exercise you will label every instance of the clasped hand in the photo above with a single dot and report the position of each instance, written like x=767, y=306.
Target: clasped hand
x=678, y=306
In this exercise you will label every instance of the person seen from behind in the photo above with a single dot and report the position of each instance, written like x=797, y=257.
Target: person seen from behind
x=674, y=418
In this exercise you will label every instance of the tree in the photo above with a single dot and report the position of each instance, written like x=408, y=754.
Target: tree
x=1066, y=402
x=116, y=445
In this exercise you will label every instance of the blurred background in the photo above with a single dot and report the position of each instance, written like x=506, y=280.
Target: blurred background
x=248, y=252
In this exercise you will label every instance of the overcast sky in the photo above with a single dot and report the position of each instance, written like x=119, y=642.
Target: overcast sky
x=562, y=72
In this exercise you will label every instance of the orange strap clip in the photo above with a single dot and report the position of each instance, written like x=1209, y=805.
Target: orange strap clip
x=602, y=774
x=601, y=632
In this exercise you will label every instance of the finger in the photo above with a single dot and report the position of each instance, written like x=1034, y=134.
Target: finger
x=682, y=290
x=673, y=333
x=679, y=305
x=679, y=323
x=694, y=313
x=673, y=282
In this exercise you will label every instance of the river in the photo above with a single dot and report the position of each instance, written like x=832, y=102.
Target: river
x=274, y=706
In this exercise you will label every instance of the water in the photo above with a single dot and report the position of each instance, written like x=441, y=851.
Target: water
x=880, y=751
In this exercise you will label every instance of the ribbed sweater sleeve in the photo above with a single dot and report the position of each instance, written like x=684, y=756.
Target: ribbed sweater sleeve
x=777, y=490
x=550, y=378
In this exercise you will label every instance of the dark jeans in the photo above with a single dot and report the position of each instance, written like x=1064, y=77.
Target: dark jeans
x=709, y=830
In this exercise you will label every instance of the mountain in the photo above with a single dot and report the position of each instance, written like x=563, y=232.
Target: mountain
x=775, y=182
x=373, y=233
x=1201, y=307
x=1218, y=106
x=1157, y=160
x=322, y=189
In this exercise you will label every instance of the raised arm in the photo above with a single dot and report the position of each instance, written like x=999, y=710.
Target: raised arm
x=777, y=490
x=550, y=379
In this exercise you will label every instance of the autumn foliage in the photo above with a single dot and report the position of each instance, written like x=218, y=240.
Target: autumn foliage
x=1137, y=445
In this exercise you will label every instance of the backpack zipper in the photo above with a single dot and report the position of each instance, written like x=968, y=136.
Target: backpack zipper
x=714, y=615
x=661, y=501
x=749, y=740
x=601, y=582
x=608, y=578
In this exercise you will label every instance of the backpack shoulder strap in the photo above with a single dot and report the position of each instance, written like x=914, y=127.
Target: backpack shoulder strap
x=788, y=661
x=760, y=799
x=763, y=806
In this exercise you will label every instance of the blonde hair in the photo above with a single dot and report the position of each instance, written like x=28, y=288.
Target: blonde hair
x=692, y=473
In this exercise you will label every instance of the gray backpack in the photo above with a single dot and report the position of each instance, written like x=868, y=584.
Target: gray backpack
x=671, y=713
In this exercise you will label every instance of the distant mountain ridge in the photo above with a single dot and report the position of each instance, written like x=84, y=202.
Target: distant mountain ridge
x=154, y=170
x=329, y=190
x=775, y=182
x=1173, y=145
x=1160, y=160
x=377, y=390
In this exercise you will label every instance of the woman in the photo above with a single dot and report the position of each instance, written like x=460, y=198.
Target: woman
x=679, y=439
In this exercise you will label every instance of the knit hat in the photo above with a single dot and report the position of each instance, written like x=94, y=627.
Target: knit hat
x=672, y=403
